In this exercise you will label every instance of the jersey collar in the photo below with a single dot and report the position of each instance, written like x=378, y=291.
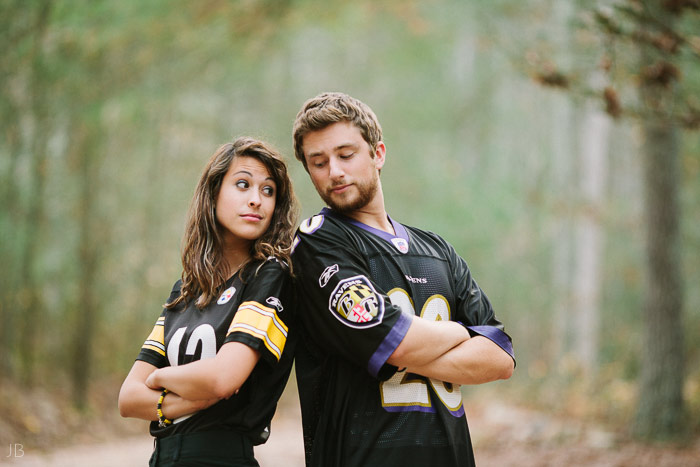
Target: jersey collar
x=400, y=240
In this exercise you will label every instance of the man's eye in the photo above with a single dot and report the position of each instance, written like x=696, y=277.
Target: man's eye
x=347, y=156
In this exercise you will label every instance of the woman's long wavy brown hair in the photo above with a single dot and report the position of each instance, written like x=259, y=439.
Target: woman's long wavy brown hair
x=204, y=268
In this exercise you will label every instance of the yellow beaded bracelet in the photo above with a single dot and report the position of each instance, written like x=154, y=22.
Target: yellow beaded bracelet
x=162, y=421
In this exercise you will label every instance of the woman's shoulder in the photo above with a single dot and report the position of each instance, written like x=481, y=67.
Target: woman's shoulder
x=269, y=266
x=177, y=286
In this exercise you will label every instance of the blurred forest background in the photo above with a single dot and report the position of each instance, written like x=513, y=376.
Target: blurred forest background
x=554, y=143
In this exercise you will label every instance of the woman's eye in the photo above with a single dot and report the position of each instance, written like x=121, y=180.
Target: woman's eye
x=347, y=156
x=242, y=184
x=268, y=191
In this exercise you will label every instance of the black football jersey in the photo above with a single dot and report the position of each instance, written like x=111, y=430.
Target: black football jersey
x=256, y=311
x=357, y=285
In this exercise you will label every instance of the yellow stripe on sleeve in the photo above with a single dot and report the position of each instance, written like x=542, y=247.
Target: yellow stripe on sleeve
x=262, y=322
x=156, y=340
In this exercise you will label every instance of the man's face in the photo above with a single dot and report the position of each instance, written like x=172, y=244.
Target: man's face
x=341, y=166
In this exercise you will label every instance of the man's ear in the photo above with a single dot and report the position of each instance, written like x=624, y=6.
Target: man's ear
x=379, y=155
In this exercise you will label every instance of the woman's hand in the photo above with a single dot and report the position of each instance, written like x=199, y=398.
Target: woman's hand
x=138, y=400
x=151, y=380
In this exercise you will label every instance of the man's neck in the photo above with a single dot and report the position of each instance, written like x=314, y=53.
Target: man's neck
x=379, y=221
x=374, y=214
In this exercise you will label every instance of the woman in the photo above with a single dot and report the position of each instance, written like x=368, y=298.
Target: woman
x=210, y=373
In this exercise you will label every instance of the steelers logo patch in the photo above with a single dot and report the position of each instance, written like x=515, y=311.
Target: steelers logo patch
x=226, y=296
x=356, y=304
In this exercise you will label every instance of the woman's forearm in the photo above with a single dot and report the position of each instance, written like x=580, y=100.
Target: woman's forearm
x=136, y=400
x=219, y=377
x=196, y=380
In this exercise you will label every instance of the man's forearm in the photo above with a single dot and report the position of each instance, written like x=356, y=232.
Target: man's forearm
x=476, y=361
x=426, y=340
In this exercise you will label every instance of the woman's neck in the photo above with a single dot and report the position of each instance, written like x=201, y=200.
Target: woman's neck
x=234, y=258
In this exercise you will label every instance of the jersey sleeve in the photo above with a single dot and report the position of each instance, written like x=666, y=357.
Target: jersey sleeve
x=153, y=348
x=474, y=309
x=262, y=319
x=342, y=309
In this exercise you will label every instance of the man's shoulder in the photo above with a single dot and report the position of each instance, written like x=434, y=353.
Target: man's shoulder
x=424, y=234
x=322, y=226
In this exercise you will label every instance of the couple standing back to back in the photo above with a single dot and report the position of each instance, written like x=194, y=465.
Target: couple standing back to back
x=384, y=320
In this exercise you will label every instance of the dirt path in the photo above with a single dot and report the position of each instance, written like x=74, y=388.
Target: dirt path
x=506, y=435
x=503, y=435
x=135, y=451
x=285, y=448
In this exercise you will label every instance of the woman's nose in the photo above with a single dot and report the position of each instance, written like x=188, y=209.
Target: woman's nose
x=254, y=199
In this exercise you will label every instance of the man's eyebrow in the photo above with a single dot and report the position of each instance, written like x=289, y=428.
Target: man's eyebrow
x=336, y=148
x=346, y=145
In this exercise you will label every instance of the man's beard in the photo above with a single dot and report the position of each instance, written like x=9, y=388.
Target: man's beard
x=365, y=194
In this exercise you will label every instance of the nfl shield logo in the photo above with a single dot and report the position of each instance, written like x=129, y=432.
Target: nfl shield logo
x=400, y=244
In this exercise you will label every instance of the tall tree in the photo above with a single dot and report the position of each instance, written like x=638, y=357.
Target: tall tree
x=13, y=39
x=30, y=306
x=590, y=237
x=85, y=317
x=659, y=33
x=661, y=411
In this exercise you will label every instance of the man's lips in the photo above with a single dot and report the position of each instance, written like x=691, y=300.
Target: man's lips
x=339, y=188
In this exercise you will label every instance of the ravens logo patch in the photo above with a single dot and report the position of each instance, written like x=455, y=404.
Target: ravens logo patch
x=356, y=304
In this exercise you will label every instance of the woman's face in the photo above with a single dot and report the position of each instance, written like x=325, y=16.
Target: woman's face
x=246, y=201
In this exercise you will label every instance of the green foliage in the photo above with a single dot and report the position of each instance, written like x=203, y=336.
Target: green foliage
x=133, y=97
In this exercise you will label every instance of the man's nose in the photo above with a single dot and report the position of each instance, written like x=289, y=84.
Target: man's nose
x=335, y=168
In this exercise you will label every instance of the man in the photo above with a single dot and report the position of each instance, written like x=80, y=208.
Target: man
x=392, y=319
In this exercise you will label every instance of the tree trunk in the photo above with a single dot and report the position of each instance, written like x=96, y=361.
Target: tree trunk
x=29, y=304
x=563, y=145
x=661, y=410
x=87, y=310
x=9, y=232
x=590, y=238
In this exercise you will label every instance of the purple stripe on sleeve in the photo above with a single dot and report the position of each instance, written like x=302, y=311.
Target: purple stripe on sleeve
x=389, y=344
x=411, y=408
x=427, y=409
x=420, y=408
x=494, y=334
